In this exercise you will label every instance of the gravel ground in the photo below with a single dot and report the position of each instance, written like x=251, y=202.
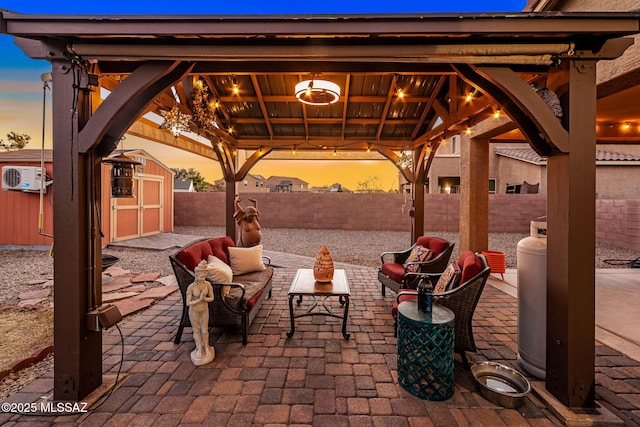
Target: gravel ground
x=19, y=267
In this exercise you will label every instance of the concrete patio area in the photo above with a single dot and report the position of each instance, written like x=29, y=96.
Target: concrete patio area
x=319, y=378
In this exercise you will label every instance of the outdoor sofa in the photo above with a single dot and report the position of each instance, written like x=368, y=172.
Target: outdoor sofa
x=236, y=302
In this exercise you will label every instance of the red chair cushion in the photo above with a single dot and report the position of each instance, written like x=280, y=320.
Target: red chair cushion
x=470, y=264
x=393, y=271
x=436, y=244
x=404, y=295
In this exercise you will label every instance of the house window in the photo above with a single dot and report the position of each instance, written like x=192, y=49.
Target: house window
x=492, y=186
x=448, y=184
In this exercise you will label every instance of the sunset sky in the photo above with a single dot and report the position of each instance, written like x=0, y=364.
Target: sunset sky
x=21, y=90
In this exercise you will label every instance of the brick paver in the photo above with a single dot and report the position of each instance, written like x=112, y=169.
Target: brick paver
x=316, y=377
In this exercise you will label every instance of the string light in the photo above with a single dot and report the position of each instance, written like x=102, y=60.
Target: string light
x=235, y=88
x=496, y=115
x=468, y=97
x=368, y=147
x=293, y=150
x=204, y=115
x=334, y=152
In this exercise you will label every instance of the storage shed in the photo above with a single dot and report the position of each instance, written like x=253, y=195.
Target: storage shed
x=149, y=212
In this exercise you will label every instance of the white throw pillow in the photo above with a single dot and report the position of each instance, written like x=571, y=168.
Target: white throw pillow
x=219, y=272
x=246, y=260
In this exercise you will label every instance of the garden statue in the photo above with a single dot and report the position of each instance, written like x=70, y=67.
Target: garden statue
x=199, y=295
x=248, y=232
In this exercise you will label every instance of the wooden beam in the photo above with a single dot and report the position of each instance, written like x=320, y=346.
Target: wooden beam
x=530, y=103
x=263, y=107
x=387, y=105
x=251, y=162
x=393, y=158
x=116, y=114
x=145, y=128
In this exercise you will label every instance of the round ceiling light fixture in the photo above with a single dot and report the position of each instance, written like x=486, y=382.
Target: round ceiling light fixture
x=317, y=92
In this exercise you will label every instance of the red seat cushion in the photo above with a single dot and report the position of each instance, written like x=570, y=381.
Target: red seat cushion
x=404, y=295
x=393, y=271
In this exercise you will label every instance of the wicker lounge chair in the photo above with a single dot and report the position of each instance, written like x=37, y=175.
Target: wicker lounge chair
x=462, y=299
x=394, y=268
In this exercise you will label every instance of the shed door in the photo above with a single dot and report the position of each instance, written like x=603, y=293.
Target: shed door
x=142, y=215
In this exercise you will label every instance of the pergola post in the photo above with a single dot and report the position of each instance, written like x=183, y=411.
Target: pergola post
x=474, y=197
x=570, y=361
x=417, y=217
x=78, y=351
x=229, y=209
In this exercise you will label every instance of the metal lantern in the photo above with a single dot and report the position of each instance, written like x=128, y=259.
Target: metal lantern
x=122, y=171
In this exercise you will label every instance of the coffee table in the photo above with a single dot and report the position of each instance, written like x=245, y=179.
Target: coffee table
x=304, y=284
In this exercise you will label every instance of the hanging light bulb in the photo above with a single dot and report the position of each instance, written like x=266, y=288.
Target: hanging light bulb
x=368, y=147
x=234, y=83
x=468, y=97
x=468, y=130
x=334, y=152
x=496, y=115
x=293, y=150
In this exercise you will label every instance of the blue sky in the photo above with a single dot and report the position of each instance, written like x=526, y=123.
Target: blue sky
x=21, y=88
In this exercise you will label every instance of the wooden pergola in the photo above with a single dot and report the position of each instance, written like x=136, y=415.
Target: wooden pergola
x=456, y=70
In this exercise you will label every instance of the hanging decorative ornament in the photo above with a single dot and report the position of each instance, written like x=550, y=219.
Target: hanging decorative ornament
x=323, y=267
x=550, y=98
x=175, y=121
x=404, y=160
x=204, y=109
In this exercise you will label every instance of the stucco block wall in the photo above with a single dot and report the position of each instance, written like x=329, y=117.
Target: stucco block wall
x=353, y=211
x=617, y=221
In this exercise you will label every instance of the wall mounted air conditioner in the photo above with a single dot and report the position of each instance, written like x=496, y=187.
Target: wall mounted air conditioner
x=23, y=178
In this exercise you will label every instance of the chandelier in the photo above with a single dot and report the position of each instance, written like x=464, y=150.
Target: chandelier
x=317, y=92
x=204, y=109
x=404, y=160
x=175, y=121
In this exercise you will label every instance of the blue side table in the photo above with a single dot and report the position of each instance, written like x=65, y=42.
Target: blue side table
x=425, y=351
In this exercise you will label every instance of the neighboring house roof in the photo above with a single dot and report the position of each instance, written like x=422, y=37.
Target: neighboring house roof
x=291, y=180
x=527, y=154
x=25, y=155
x=183, y=184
